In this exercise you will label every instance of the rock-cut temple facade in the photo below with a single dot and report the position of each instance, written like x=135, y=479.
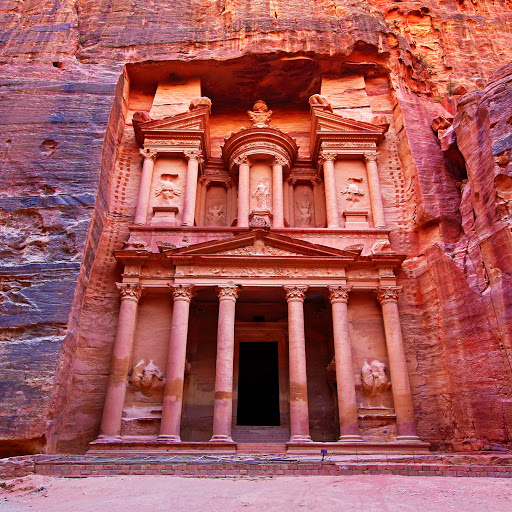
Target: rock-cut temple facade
x=259, y=293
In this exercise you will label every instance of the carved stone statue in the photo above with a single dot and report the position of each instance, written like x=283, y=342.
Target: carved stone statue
x=304, y=212
x=261, y=194
x=317, y=100
x=353, y=192
x=374, y=380
x=167, y=190
x=260, y=114
x=147, y=377
x=215, y=215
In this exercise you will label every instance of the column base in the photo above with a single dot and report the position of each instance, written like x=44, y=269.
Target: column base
x=300, y=439
x=219, y=438
x=350, y=438
x=168, y=439
x=407, y=439
x=108, y=439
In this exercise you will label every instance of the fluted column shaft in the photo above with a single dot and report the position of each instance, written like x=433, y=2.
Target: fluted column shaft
x=243, y=192
x=141, y=211
x=331, y=204
x=121, y=359
x=176, y=359
x=402, y=396
x=299, y=414
x=347, y=403
x=189, y=200
x=374, y=189
x=223, y=406
x=277, y=194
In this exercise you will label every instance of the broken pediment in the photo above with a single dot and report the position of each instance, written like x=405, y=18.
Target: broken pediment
x=193, y=124
x=338, y=132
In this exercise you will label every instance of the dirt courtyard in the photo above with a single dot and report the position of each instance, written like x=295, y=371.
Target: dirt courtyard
x=366, y=493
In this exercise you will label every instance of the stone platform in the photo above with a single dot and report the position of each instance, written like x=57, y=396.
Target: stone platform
x=456, y=465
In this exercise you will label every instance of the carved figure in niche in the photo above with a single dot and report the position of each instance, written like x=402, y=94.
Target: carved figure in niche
x=147, y=378
x=353, y=192
x=374, y=380
x=319, y=100
x=167, y=190
x=260, y=114
x=215, y=215
x=304, y=212
x=261, y=195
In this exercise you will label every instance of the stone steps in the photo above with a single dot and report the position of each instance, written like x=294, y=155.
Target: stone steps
x=260, y=434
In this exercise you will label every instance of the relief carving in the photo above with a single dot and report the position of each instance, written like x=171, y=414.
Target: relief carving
x=167, y=191
x=303, y=214
x=353, y=192
x=147, y=378
x=260, y=114
x=381, y=246
x=374, y=381
x=215, y=216
x=261, y=195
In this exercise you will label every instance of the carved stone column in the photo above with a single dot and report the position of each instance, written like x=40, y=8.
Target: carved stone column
x=291, y=201
x=331, y=203
x=243, y=191
x=347, y=403
x=189, y=203
x=286, y=199
x=175, y=370
x=277, y=192
x=121, y=358
x=374, y=189
x=201, y=209
x=229, y=201
x=402, y=397
x=223, y=408
x=299, y=415
x=141, y=211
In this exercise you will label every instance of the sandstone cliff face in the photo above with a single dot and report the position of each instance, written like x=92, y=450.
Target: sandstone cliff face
x=64, y=101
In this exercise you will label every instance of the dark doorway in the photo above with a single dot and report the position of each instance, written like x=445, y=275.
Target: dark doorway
x=258, y=384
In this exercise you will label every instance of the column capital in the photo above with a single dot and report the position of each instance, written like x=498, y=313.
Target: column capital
x=130, y=291
x=204, y=181
x=148, y=153
x=182, y=292
x=371, y=157
x=316, y=181
x=295, y=293
x=193, y=154
x=387, y=294
x=227, y=292
x=338, y=293
x=291, y=181
x=280, y=160
x=327, y=156
x=241, y=159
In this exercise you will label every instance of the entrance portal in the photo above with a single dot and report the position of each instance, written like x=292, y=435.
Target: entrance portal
x=258, y=384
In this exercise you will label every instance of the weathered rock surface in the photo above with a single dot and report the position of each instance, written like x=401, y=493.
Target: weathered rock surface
x=63, y=106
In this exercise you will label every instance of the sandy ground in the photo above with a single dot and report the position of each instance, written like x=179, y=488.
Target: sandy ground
x=366, y=493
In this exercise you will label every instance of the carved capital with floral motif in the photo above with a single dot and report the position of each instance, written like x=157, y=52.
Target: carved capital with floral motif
x=241, y=159
x=130, y=291
x=148, y=153
x=193, y=154
x=327, y=156
x=316, y=181
x=295, y=293
x=338, y=293
x=388, y=294
x=371, y=157
x=182, y=292
x=280, y=160
x=227, y=292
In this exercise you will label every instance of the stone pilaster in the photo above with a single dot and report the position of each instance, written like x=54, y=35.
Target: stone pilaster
x=141, y=211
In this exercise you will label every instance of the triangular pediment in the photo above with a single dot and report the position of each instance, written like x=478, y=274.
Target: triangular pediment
x=262, y=244
x=330, y=122
x=192, y=121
